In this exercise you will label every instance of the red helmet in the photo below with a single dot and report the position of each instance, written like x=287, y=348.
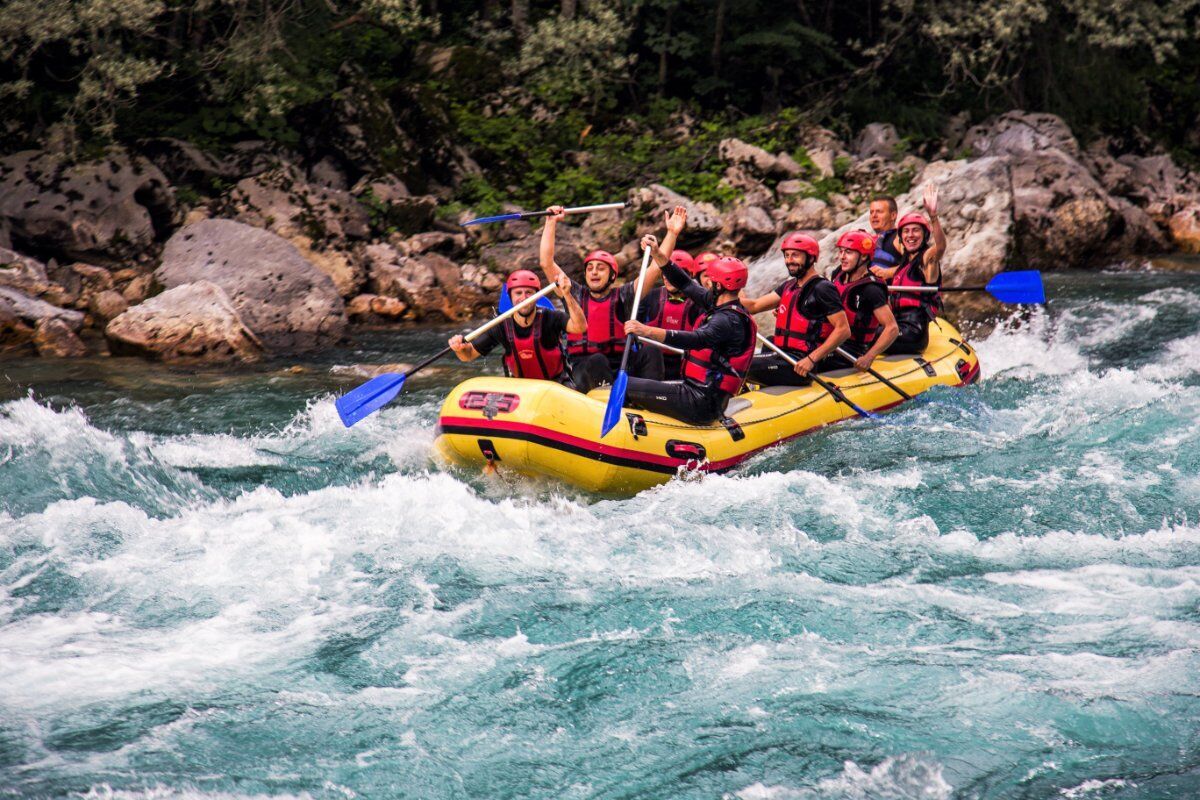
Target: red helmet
x=705, y=258
x=683, y=259
x=525, y=278
x=858, y=241
x=802, y=242
x=913, y=218
x=729, y=273
x=604, y=257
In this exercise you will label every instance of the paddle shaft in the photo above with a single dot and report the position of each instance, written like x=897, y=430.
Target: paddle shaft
x=661, y=345
x=842, y=352
x=485, y=327
x=935, y=289
x=637, y=299
x=576, y=210
x=834, y=391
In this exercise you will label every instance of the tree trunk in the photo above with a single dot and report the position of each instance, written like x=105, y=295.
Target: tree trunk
x=568, y=9
x=718, y=35
x=520, y=18
x=662, y=53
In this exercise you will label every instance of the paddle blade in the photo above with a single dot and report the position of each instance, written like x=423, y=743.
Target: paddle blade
x=368, y=398
x=506, y=302
x=485, y=220
x=1024, y=286
x=616, y=401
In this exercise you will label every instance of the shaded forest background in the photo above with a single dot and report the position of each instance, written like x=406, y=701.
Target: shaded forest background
x=562, y=99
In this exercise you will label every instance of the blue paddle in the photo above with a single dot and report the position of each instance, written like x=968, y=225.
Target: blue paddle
x=382, y=389
x=1021, y=286
x=536, y=214
x=616, y=396
x=834, y=392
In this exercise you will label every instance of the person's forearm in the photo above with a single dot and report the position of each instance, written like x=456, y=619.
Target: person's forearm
x=546, y=251
x=576, y=322
x=831, y=343
x=888, y=335
x=469, y=355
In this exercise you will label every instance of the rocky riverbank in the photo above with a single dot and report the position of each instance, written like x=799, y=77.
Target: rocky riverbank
x=173, y=253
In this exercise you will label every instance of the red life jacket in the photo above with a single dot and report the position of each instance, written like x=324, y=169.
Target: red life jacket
x=931, y=302
x=864, y=328
x=673, y=314
x=605, y=331
x=731, y=372
x=526, y=356
x=793, y=330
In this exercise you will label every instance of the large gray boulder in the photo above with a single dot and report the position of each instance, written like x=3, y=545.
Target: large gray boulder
x=289, y=304
x=110, y=209
x=703, y=223
x=193, y=322
x=1019, y=133
x=877, y=140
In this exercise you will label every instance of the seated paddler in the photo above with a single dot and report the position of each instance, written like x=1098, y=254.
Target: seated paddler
x=534, y=338
x=717, y=352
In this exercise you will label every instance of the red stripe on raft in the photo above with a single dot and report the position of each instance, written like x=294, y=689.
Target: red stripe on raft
x=590, y=444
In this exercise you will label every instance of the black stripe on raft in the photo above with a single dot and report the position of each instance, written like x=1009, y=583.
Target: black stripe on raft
x=545, y=441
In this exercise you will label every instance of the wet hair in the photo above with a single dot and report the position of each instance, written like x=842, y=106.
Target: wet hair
x=887, y=198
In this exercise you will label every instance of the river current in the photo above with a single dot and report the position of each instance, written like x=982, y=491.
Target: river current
x=210, y=589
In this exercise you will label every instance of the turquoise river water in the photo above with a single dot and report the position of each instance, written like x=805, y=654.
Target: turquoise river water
x=210, y=589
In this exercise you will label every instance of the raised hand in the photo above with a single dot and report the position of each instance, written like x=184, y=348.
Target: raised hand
x=676, y=220
x=931, y=199
x=556, y=213
x=562, y=286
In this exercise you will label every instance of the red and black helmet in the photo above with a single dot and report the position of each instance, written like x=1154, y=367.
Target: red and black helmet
x=802, y=242
x=858, y=241
x=729, y=273
x=523, y=278
x=604, y=257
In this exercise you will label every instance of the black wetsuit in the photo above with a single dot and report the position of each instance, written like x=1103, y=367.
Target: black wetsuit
x=726, y=330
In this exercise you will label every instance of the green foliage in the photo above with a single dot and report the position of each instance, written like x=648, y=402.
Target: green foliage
x=899, y=183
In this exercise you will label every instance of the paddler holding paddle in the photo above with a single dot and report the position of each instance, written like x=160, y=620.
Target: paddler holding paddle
x=718, y=350
x=595, y=355
x=810, y=322
x=533, y=337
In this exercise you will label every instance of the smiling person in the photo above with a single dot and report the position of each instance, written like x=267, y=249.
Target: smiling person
x=718, y=351
x=923, y=244
x=533, y=337
x=594, y=354
x=864, y=299
x=810, y=322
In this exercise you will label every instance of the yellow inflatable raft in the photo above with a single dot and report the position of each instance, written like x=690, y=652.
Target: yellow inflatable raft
x=543, y=429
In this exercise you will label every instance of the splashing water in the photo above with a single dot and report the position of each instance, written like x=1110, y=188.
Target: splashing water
x=210, y=589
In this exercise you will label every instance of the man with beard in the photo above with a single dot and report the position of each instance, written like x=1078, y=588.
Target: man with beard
x=810, y=322
x=594, y=355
